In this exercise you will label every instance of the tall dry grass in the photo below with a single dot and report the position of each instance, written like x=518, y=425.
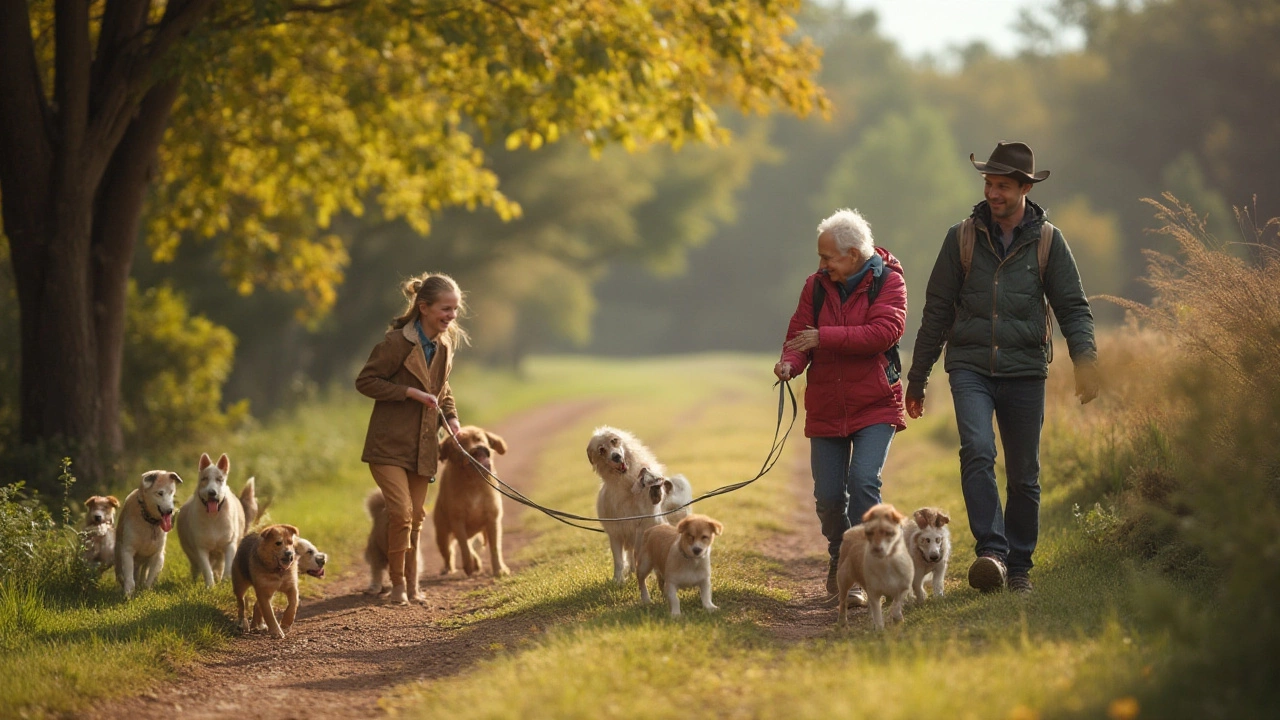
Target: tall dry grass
x=1201, y=492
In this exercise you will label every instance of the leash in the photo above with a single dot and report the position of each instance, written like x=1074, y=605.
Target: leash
x=771, y=459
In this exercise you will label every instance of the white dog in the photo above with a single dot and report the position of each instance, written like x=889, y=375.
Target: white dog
x=929, y=541
x=874, y=556
x=145, y=521
x=310, y=560
x=681, y=557
x=213, y=520
x=621, y=461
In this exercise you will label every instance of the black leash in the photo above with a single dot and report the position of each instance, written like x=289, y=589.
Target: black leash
x=775, y=454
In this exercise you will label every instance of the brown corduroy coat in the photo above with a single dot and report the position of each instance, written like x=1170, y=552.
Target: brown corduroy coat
x=402, y=431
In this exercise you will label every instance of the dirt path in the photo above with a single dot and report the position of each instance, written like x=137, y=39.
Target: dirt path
x=346, y=650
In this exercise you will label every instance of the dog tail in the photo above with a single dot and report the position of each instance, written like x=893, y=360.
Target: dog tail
x=375, y=503
x=249, y=502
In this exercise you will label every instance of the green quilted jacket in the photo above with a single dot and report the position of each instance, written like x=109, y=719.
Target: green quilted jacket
x=993, y=321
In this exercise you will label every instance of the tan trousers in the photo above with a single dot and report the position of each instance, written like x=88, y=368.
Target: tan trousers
x=406, y=496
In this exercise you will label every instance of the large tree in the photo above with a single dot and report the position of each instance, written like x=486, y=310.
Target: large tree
x=257, y=120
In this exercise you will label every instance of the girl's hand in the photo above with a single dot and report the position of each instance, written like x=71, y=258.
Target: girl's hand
x=454, y=426
x=423, y=397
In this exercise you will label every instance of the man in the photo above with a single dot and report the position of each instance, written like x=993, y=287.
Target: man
x=986, y=302
x=845, y=330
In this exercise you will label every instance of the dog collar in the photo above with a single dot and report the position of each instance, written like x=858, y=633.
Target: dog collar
x=146, y=515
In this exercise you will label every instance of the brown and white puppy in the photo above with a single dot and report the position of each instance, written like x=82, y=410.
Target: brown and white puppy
x=146, y=517
x=375, y=549
x=929, y=541
x=619, y=458
x=874, y=556
x=213, y=520
x=267, y=562
x=680, y=556
x=468, y=504
x=98, y=538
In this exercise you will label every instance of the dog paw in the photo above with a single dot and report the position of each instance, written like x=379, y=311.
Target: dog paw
x=502, y=571
x=711, y=608
x=372, y=590
x=279, y=634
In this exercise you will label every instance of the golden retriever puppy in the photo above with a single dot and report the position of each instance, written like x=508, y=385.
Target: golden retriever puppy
x=468, y=504
x=267, y=562
x=375, y=548
x=213, y=520
x=929, y=541
x=310, y=562
x=620, y=459
x=681, y=557
x=874, y=556
x=98, y=538
x=146, y=517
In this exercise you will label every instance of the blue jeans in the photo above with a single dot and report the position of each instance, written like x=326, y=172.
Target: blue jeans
x=1018, y=406
x=846, y=478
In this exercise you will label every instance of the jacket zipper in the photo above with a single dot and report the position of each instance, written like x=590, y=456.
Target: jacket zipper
x=995, y=289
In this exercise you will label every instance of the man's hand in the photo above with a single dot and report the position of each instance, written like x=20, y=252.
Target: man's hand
x=915, y=405
x=1087, y=381
x=804, y=341
x=782, y=370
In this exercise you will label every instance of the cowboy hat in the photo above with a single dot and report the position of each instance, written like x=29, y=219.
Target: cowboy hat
x=1011, y=158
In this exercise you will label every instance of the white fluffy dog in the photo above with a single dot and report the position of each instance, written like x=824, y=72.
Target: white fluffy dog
x=621, y=461
x=929, y=541
x=213, y=520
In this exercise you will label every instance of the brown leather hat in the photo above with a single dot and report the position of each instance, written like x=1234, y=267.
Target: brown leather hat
x=1011, y=158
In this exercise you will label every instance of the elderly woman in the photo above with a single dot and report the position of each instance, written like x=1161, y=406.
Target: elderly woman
x=845, y=330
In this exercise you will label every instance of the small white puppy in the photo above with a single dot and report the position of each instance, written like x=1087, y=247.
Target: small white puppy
x=874, y=556
x=310, y=560
x=213, y=520
x=98, y=538
x=929, y=541
x=145, y=521
x=681, y=557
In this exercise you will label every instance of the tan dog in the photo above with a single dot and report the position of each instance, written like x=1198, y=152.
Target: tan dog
x=681, y=557
x=213, y=520
x=267, y=562
x=145, y=521
x=310, y=562
x=621, y=461
x=98, y=538
x=874, y=556
x=929, y=542
x=375, y=549
x=468, y=505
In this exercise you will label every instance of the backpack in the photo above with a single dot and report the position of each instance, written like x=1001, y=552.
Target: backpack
x=968, y=236
x=894, y=371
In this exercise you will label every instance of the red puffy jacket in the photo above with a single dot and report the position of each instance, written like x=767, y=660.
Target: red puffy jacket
x=848, y=388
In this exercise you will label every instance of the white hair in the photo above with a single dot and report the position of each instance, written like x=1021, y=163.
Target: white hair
x=851, y=232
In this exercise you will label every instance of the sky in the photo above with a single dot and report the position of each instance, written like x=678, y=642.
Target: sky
x=931, y=26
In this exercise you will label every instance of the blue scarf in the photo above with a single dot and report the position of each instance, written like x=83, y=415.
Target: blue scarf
x=875, y=266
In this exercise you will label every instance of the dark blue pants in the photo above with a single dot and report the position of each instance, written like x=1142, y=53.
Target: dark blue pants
x=1018, y=407
x=846, y=478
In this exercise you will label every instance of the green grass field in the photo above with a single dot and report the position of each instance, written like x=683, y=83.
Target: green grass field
x=1077, y=648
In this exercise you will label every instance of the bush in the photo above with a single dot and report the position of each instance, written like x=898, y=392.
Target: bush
x=37, y=553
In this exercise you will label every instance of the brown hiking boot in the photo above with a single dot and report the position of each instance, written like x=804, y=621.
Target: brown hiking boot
x=987, y=574
x=1020, y=583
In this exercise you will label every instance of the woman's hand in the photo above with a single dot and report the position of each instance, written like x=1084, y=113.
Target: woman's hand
x=782, y=370
x=804, y=341
x=423, y=397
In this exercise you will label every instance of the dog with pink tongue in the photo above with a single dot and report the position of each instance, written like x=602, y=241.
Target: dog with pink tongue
x=146, y=517
x=213, y=521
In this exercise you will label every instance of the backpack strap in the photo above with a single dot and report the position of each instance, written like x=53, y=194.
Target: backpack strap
x=968, y=235
x=1042, y=259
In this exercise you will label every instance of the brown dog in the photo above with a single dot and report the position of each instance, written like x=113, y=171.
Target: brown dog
x=874, y=556
x=681, y=557
x=98, y=538
x=266, y=561
x=468, y=505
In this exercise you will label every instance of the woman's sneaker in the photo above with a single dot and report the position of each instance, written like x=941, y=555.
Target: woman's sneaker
x=857, y=597
x=987, y=574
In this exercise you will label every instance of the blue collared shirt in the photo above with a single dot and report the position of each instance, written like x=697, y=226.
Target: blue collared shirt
x=428, y=347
